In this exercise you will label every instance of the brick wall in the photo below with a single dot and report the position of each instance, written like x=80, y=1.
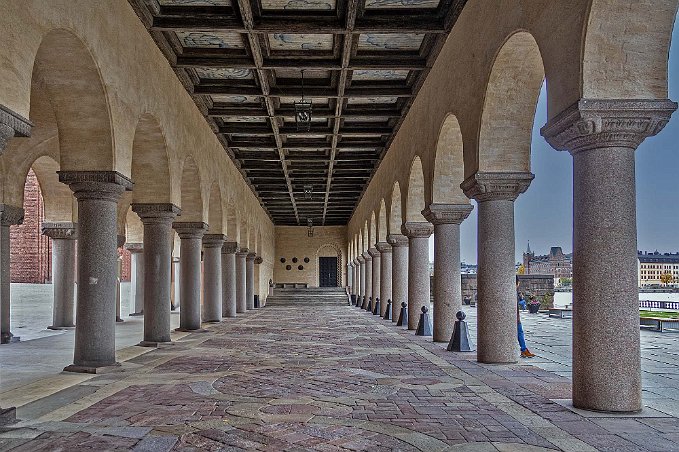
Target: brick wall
x=30, y=251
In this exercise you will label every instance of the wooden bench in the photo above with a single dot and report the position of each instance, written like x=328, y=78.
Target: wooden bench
x=659, y=324
x=562, y=313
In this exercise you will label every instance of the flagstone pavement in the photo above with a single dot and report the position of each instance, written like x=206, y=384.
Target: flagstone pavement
x=324, y=378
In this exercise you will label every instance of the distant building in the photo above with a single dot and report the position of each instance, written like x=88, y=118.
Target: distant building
x=653, y=265
x=556, y=263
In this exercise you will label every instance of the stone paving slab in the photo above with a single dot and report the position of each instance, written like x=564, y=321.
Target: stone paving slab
x=338, y=380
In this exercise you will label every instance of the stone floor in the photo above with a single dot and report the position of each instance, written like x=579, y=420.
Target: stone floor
x=341, y=379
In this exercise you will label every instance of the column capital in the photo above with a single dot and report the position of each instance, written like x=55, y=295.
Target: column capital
x=417, y=229
x=11, y=215
x=356, y=262
x=251, y=256
x=105, y=185
x=397, y=240
x=64, y=230
x=12, y=125
x=190, y=229
x=243, y=252
x=496, y=186
x=258, y=260
x=155, y=212
x=229, y=247
x=447, y=213
x=213, y=240
x=383, y=247
x=367, y=256
x=373, y=252
x=360, y=259
x=598, y=123
x=134, y=247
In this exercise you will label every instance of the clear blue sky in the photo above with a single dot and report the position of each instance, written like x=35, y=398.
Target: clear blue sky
x=543, y=214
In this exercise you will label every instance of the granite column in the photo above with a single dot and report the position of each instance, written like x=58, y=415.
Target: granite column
x=399, y=273
x=9, y=215
x=361, y=279
x=191, y=235
x=419, y=295
x=241, y=281
x=376, y=273
x=368, y=278
x=212, y=277
x=229, y=278
x=63, y=237
x=250, y=280
x=137, y=277
x=385, y=275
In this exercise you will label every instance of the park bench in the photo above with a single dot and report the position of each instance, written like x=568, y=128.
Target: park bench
x=562, y=313
x=658, y=323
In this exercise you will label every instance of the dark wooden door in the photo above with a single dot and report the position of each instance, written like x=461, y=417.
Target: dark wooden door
x=327, y=271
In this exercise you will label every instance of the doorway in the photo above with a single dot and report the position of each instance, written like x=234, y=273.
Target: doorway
x=327, y=271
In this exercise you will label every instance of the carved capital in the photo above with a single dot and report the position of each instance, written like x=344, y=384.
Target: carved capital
x=360, y=259
x=190, y=229
x=213, y=240
x=447, y=213
x=417, y=229
x=383, y=247
x=11, y=215
x=496, y=186
x=251, y=256
x=367, y=256
x=12, y=125
x=229, y=247
x=104, y=185
x=65, y=230
x=242, y=252
x=156, y=212
x=598, y=123
x=396, y=240
x=134, y=247
x=258, y=260
x=373, y=252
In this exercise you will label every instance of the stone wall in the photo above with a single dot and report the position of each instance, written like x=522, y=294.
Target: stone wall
x=294, y=242
x=537, y=285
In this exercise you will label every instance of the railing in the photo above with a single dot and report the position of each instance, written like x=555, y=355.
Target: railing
x=659, y=304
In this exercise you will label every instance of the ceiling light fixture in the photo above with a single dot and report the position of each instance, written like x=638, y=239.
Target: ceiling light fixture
x=303, y=109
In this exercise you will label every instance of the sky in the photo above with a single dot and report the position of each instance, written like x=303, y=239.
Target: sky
x=543, y=214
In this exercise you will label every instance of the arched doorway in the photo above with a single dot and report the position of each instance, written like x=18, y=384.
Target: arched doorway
x=329, y=266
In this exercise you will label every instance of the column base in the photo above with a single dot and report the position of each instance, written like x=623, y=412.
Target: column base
x=154, y=344
x=115, y=367
x=119, y=320
x=137, y=314
x=8, y=416
x=56, y=328
x=212, y=321
x=187, y=330
x=9, y=338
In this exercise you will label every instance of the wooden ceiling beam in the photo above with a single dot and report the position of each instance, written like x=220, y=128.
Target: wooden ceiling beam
x=395, y=62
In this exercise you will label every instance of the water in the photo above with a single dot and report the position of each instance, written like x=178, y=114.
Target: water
x=562, y=299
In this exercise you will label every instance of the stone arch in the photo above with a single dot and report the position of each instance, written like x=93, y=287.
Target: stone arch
x=232, y=222
x=150, y=163
x=382, y=222
x=135, y=228
x=626, y=47
x=191, y=199
x=372, y=237
x=415, y=199
x=366, y=236
x=59, y=203
x=448, y=165
x=330, y=250
x=66, y=70
x=509, y=106
x=215, y=213
x=395, y=215
x=244, y=232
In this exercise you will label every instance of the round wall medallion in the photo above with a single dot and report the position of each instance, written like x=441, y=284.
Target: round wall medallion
x=306, y=260
x=282, y=260
x=288, y=267
x=294, y=260
x=300, y=267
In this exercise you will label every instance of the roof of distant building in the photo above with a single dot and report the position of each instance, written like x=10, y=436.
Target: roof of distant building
x=669, y=258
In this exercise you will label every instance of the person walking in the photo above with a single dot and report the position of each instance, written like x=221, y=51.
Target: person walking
x=525, y=353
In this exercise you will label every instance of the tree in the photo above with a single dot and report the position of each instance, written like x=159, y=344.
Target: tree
x=521, y=270
x=666, y=278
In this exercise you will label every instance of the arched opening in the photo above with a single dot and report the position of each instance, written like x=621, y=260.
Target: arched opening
x=232, y=222
x=395, y=216
x=150, y=163
x=449, y=165
x=382, y=222
x=509, y=106
x=415, y=199
x=191, y=198
x=372, y=237
x=215, y=212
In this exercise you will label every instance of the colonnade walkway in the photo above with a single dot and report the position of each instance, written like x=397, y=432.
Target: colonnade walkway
x=321, y=377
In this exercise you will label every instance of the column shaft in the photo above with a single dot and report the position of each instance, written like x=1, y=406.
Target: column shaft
x=385, y=275
x=229, y=279
x=362, y=276
x=368, y=279
x=250, y=280
x=399, y=273
x=419, y=294
x=136, y=277
x=376, y=273
x=241, y=281
x=191, y=235
x=63, y=237
x=212, y=277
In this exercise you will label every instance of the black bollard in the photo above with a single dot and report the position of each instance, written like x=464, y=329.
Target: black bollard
x=387, y=313
x=353, y=299
x=376, y=309
x=256, y=301
x=403, y=317
x=460, y=340
x=369, y=308
x=424, y=325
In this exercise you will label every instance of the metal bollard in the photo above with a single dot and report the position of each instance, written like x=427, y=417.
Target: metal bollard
x=376, y=309
x=369, y=308
x=424, y=325
x=387, y=314
x=359, y=301
x=403, y=316
x=353, y=299
x=460, y=340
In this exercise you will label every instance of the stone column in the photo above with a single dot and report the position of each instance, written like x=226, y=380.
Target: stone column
x=258, y=262
x=446, y=219
x=368, y=278
x=350, y=277
x=190, y=235
x=63, y=237
x=361, y=277
x=158, y=242
x=212, y=277
x=119, y=272
x=229, y=278
x=137, y=277
x=357, y=277
x=418, y=233
x=375, y=273
x=241, y=281
x=9, y=215
x=399, y=273
x=97, y=193
x=385, y=275
x=602, y=136
x=496, y=281
x=250, y=280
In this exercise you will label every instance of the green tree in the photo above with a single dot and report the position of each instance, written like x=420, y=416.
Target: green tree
x=666, y=278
